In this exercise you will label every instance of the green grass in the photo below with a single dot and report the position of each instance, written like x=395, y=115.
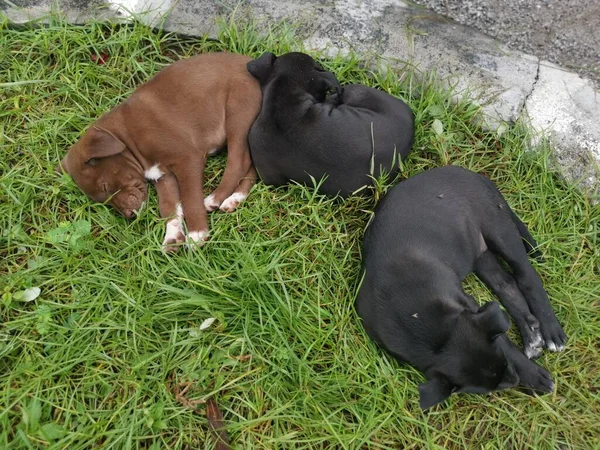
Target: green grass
x=98, y=359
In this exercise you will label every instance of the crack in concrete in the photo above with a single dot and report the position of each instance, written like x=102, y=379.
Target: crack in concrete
x=535, y=81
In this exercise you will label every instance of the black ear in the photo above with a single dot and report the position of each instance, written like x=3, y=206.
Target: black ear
x=433, y=392
x=492, y=319
x=260, y=68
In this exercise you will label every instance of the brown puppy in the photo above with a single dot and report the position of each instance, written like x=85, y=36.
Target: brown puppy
x=163, y=133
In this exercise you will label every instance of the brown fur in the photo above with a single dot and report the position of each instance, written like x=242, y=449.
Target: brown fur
x=215, y=421
x=176, y=119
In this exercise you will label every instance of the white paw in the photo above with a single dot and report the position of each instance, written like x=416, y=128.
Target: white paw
x=174, y=235
x=534, y=348
x=210, y=203
x=532, y=351
x=552, y=347
x=232, y=202
x=197, y=238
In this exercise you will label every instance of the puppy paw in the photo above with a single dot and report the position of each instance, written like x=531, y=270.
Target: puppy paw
x=174, y=236
x=197, y=239
x=232, y=202
x=210, y=203
x=533, y=342
x=537, y=379
x=534, y=345
x=554, y=336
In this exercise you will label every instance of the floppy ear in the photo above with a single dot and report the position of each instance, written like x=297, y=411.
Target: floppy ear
x=493, y=319
x=102, y=144
x=260, y=68
x=433, y=392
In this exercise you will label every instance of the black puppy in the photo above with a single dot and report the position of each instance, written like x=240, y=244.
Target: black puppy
x=302, y=132
x=428, y=234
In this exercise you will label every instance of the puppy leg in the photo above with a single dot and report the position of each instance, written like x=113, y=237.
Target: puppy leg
x=531, y=375
x=240, y=114
x=169, y=205
x=241, y=193
x=507, y=243
x=190, y=176
x=504, y=286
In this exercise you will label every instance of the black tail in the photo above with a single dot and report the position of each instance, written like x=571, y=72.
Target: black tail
x=528, y=240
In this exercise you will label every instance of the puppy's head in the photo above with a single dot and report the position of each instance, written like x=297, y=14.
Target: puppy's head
x=471, y=359
x=299, y=70
x=97, y=164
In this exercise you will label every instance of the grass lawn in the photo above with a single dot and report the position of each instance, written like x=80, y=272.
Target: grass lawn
x=111, y=353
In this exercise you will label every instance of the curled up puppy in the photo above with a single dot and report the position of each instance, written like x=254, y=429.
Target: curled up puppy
x=163, y=133
x=428, y=233
x=311, y=127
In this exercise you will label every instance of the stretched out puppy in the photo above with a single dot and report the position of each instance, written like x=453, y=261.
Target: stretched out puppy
x=428, y=234
x=163, y=133
x=301, y=132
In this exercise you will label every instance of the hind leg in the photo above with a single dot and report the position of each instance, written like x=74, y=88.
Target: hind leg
x=504, y=286
x=241, y=112
x=238, y=165
x=507, y=243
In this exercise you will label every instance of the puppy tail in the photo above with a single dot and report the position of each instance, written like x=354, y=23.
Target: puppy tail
x=528, y=240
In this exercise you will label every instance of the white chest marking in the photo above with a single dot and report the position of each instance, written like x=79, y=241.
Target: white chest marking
x=153, y=173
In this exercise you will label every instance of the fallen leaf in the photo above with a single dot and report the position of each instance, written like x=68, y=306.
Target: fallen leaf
x=28, y=295
x=438, y=127
x=207, y=323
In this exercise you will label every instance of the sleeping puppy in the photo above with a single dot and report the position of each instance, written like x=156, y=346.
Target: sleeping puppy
x=303, y=134
x=163, y=133
x=428, y=233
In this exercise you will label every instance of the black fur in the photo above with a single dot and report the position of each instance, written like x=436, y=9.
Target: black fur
x=311, y=126
x=428, y=234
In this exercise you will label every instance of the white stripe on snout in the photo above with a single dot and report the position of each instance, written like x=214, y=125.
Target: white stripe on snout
x=153, y=173
x=233, y=201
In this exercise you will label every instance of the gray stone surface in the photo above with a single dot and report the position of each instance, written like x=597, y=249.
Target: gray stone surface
x=564, y=32
x=507, y=83
x=566, y=107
